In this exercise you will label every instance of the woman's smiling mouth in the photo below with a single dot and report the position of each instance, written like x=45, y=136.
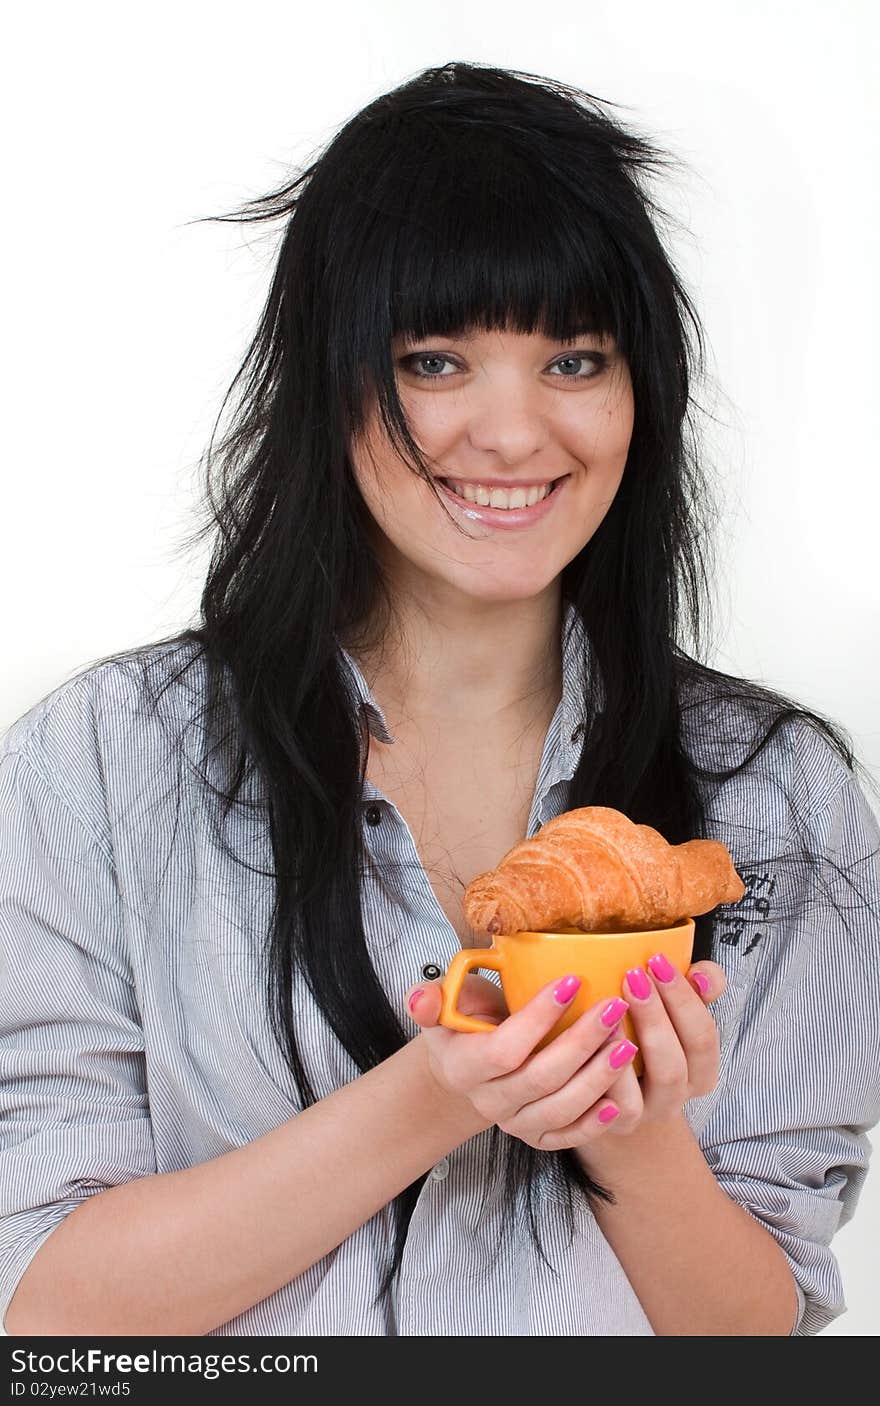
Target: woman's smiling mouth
x=503, y=507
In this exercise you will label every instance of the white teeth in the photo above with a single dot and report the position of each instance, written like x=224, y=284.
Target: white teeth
x=500, y=497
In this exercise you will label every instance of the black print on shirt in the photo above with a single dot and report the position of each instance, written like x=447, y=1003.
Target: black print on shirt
x=755, y=904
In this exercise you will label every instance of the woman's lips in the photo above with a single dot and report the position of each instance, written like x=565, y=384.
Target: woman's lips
x=506, y=517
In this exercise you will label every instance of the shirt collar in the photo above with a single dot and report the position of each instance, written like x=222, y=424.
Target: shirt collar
x=570, y=710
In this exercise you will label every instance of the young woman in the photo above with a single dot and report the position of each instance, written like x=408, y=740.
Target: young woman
x=233, y=861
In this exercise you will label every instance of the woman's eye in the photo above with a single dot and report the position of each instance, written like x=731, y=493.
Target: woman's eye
x=410, y=362
x=594, y=361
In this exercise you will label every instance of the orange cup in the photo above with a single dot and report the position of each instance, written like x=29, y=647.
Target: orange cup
x=527, y=961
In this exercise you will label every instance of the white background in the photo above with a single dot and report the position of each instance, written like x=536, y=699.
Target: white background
x=124, y=328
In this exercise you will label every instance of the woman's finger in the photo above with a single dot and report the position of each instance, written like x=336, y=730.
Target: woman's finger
x=691, y=1021
x=708, y=980
x=423, y=1003
x=569, y=1103
x=546, y=1071
x=478, y=997
x=626, y=1096
x=619, y=1109
x=665, y=1062
x=506, y=1048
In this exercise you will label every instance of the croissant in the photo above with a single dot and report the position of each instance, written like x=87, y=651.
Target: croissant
x=595, y=870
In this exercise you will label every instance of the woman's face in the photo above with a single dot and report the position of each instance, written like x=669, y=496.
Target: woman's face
x=497, y=406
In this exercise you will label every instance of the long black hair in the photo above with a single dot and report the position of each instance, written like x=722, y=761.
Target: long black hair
x=469, y=196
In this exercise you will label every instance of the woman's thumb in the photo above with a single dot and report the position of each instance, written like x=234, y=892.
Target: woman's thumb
x=476, y=997
x=423, y=1003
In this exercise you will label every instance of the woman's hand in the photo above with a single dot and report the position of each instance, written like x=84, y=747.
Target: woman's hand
x=553, y=1098
x=550, y=1098
x=675, y=1032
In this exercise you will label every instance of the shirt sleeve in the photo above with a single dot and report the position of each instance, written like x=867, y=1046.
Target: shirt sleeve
x=787, y=1135
x=74, y=1115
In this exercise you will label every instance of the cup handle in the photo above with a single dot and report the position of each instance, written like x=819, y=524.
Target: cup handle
x=458, y=968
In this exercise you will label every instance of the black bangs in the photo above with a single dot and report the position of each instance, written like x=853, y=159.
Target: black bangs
x=460, y=228
x=495, y=246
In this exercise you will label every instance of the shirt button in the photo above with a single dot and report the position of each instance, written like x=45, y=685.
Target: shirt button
x=374, y=815
x=577, y=732
x=430, y=971
x=441, y=1171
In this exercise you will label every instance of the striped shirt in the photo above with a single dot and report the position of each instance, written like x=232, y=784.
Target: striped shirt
x=133, y=1039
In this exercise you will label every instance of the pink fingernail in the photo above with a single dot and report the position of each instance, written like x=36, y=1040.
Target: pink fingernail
x=622, y=1054
x=639, y=984
x=608, y=1113
x=701, y=982
x=661, y=967
x=414, y=997
x=614, y=1011
x=565, y=989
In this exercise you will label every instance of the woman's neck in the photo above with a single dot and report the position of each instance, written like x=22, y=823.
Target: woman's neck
x=497, y=666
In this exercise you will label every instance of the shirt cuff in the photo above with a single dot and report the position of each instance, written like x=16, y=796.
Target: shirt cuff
x=802, y=1304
